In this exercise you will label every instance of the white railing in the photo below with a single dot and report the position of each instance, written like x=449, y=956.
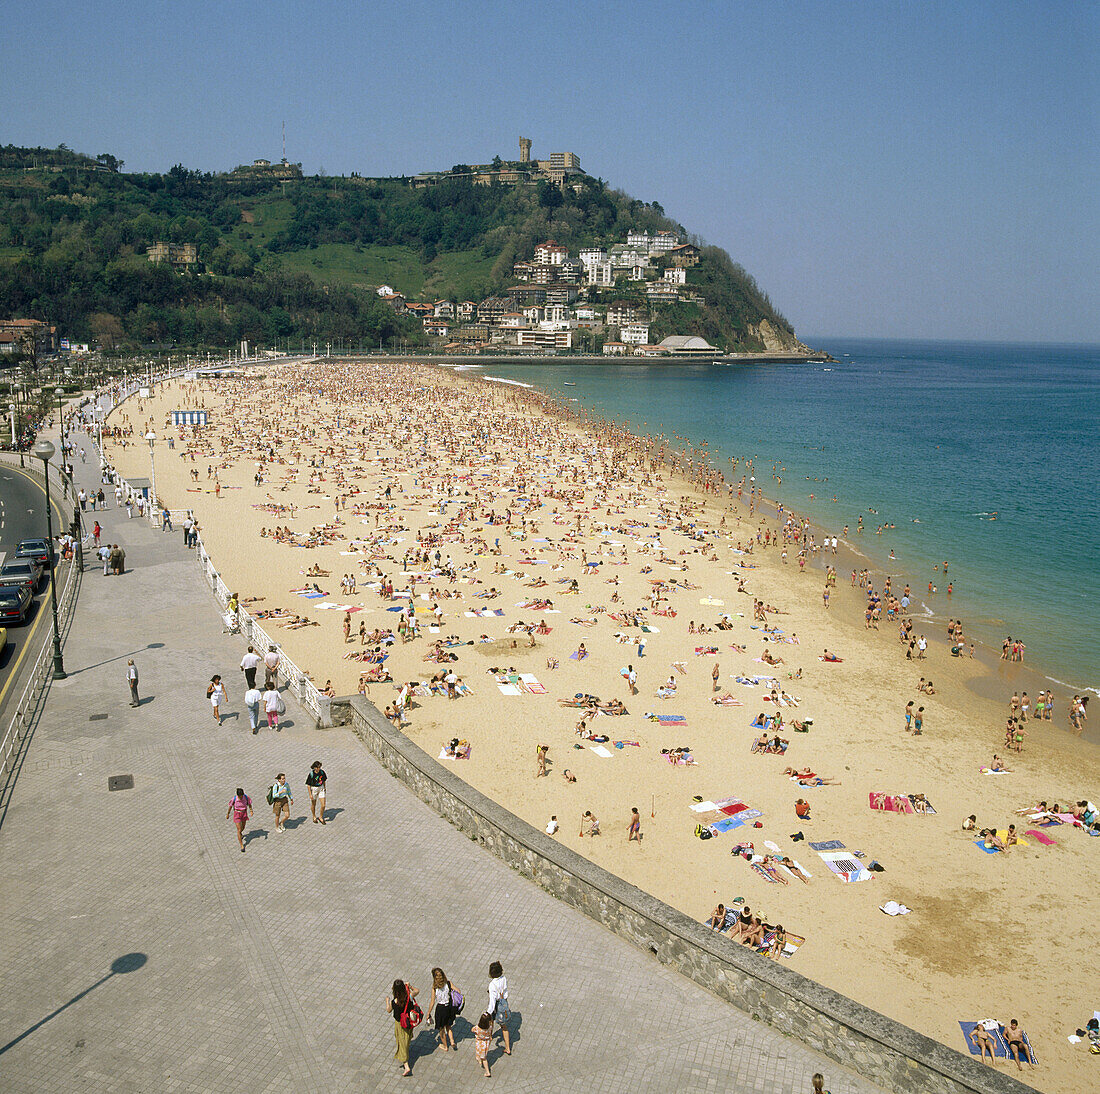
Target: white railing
x=41, y=673
x=305, y=691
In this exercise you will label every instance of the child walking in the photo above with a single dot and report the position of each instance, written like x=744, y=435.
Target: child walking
x=483, y=1035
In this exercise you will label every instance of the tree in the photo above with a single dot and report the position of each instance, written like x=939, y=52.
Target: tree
x=106, y=329
x=498, y=163
x=105, y=159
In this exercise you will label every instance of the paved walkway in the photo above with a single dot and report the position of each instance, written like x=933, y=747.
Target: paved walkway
x=268, y=971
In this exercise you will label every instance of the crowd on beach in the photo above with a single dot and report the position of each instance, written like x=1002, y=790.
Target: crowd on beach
x=455, y=505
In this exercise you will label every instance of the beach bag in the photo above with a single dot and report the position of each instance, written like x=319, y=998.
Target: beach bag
x=271, y=794
x=411, y=1016
x=280, y=707
x=502, y=1013
x=458, y=1000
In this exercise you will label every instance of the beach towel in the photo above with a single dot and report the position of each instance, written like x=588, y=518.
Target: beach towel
x=828, y=845
x=996, y=1037
x=733, y=809
x=1003, y=834
x=624, y=744
x=1042, y=837
x=702, y=807
x=671, y=719
x=764, y=874
x=508, y=689
x=980, y=844
x=601, y=751
x=990, y=771
x=727, y=823
x=844, y=866
x=790, y=946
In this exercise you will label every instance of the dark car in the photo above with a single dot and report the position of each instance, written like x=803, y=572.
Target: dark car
x=15, y=602
x=21, y=571
x=40, y=550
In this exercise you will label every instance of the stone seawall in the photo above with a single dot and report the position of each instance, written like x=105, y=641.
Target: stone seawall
x=877, y=1047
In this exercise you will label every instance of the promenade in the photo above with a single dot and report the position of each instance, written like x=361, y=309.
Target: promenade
x=142, y=952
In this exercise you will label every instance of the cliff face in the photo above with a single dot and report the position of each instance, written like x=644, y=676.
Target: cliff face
x=776, y=339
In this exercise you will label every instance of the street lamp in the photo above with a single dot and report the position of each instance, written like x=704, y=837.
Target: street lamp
x=151, y=437
x=45, y=452
x=11, y=414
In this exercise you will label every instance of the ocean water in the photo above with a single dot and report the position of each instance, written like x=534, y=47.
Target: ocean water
x=986, y=456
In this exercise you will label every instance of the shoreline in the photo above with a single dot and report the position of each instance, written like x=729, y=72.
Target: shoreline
x=958, y=894
x=877, y=565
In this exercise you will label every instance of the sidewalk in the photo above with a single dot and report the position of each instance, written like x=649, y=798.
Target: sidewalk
x=268, y=971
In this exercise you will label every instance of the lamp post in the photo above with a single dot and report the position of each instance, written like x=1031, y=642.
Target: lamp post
x=151, y=437
x=11, y=414
x=45, y=452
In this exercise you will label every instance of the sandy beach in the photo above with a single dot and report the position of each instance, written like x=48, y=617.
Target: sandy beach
x=474, y=497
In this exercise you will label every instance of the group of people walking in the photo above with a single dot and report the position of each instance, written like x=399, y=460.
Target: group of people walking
x=446, y=1003
x=281, y=798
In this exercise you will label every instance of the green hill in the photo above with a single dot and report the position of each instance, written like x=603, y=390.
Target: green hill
x=279, y=262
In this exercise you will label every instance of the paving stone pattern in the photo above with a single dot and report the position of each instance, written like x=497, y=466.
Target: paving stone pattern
x=268, y=971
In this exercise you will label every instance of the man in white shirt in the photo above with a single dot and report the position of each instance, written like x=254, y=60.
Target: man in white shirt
x=252, y=699
x=271, y=667
x=248, y=666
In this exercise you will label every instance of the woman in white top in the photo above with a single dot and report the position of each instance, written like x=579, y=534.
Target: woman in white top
x=215, y=692
x=498, y=1003
x=442, y=1008
x=271, y=706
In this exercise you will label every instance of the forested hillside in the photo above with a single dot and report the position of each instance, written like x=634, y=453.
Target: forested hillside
x=279, y=262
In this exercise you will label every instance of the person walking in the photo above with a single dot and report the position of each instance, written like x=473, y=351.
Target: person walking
x=634, y=832
x=271, y=667
x=401, y=1004
x=132, y=680
x=316, y=781
x=96, y=532
x=248, y=666
x=252, y=700
x=272, y=702
x=104, y=554
x=187, y=525
x=714, y=675
x=240, y=809
x=281, y=801
x=498, y=1003
x=442, y=1008
x=483, y=1038
x=215, y=692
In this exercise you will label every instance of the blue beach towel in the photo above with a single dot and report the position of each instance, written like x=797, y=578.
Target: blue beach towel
x=726, y=823
x=980, y=844
x=828, y=845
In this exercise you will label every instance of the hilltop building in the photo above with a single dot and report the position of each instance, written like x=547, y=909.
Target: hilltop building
x=265, y=169
x=561, y=169
x=180, y=256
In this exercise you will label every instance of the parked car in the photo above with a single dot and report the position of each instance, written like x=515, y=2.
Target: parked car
x=3, y=640
x=21, y=571
x=40, y=550
x=15, y=602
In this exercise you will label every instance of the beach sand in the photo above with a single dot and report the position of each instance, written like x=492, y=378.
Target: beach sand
x=1002, y=935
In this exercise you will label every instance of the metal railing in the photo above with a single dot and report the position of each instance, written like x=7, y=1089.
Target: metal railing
x=30, y=701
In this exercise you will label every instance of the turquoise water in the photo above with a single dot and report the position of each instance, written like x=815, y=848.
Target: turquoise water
x=944, y=434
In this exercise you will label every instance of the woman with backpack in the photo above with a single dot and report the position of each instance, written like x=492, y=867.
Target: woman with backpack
x=442, y=1006
x=406, y=1017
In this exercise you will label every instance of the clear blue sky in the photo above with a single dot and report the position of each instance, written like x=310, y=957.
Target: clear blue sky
x=883, y=169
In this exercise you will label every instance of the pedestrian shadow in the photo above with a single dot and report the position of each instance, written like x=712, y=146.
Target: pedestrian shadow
x=331, y=814
x=234, y=714
x=146, y=699
x=295, y=822
x=255, y=833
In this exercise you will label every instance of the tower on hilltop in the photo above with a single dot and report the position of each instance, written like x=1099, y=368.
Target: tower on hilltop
x=525, y=150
